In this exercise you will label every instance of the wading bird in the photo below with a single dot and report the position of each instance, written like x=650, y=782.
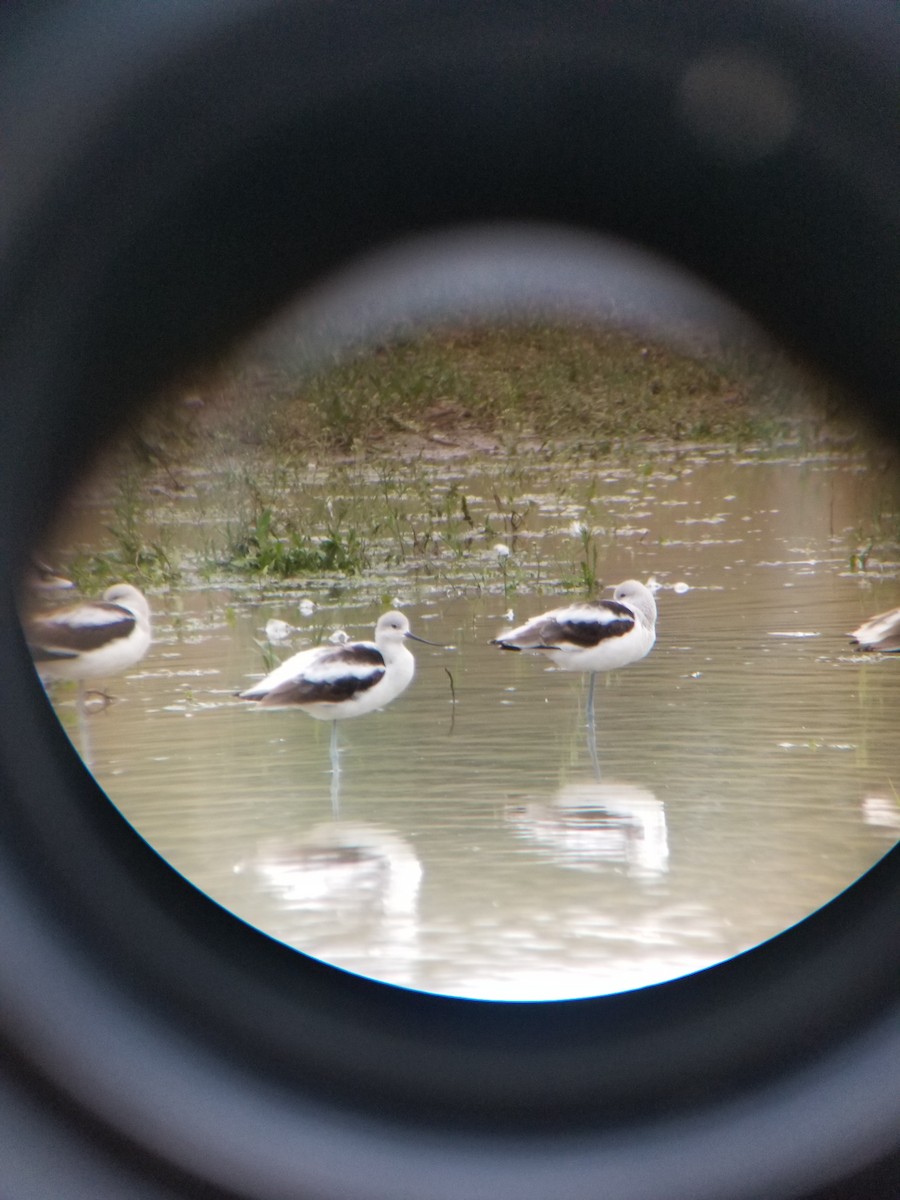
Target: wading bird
x=336, y=681
x=90, y=640
x=93, y=639
x=595, y=636
x=879, y=633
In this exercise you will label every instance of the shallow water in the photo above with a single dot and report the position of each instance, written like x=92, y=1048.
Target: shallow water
x=749, y=767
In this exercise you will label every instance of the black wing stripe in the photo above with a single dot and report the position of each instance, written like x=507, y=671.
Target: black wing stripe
x=322, y=691
x=354, y=654
x=44, y=654
x=585, y=633
x=48, y=636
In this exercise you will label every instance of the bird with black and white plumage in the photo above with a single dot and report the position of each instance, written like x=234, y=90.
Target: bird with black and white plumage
x=880, y=633
x=92, y=639
x=593, y=636
x=343, y=679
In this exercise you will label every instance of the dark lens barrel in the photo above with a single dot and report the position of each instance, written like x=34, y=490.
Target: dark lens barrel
x=173, y=174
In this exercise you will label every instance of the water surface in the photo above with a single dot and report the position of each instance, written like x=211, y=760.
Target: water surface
x=749, y=767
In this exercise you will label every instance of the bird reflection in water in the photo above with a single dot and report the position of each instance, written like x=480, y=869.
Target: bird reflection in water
x=882, y=811
x=590, y=824
x=361, y=879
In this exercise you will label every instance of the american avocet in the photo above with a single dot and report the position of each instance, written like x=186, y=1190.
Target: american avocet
x=595, y=636
x=880, y=633
x=336, y=681
x=90, y=640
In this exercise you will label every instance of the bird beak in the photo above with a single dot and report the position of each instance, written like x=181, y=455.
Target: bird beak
x=425, y=642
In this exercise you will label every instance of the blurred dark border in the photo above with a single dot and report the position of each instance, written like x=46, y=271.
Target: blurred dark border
x=174, y=173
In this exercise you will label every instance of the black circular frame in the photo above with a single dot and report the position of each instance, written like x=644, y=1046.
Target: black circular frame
x=173, y=175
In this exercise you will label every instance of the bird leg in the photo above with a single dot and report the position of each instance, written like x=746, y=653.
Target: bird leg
x=592, y=752
x=335, y=753
x=84, y=733
x=335, y=795
x=335, y=773
x=589, y=713
x=592, y=728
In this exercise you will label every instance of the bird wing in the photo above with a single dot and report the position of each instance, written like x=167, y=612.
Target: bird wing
x=879, y=633
x=328, y=674
x=582, y=625
x=67, y=633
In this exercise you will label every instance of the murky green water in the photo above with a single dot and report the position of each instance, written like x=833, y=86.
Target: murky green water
x=749, y=767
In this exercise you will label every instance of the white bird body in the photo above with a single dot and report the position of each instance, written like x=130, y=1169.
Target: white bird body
x=601, y=635
x=880, y=633
x=335, y=682
x=93, y=639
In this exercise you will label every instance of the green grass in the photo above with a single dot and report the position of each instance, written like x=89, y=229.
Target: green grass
x=549, y=383
x=588, y=389
x=134, y=550
x=412, y=458
x=262, y=549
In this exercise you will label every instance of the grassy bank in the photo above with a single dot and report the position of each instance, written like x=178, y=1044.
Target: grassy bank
x=575, y=388
x=402, y=458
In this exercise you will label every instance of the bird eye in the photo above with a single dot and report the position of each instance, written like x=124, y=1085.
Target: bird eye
x=601, y=811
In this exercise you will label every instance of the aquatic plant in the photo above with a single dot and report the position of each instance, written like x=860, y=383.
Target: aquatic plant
x=140, y=551
x=262, y=549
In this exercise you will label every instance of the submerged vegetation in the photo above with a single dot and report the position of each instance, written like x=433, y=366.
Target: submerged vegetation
x=432, y=459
